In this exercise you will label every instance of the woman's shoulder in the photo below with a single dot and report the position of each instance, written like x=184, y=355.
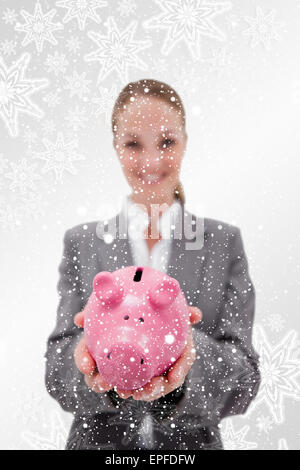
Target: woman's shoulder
x=220, y=226
x=81, y=231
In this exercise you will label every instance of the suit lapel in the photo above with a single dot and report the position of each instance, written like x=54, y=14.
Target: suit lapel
x=185, y=265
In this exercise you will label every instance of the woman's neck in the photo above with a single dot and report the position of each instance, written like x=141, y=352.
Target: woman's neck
x=140, y=199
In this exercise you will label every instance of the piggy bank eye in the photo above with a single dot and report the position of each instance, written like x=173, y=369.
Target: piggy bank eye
x=126, y=317
x=141, y=320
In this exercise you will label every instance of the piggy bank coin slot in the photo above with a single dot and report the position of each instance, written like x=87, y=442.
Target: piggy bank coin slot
x=138, y=275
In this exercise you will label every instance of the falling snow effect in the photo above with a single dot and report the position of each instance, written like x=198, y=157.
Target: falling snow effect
x=62, y=65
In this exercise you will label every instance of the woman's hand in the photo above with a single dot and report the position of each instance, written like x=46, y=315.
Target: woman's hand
x=86, y=364
x=156, y=387
x=164, y=384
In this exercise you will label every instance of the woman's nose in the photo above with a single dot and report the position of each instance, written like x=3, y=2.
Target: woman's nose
x=151, y=164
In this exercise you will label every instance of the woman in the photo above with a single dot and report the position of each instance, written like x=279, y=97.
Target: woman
x=217, y=375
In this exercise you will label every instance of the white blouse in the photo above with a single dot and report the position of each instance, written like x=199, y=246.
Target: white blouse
x=138, y=221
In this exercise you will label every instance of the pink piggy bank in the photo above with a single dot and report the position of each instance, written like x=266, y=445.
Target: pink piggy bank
x=136, y=325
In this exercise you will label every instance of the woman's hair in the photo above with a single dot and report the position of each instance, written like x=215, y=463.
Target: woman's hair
x=156, y=89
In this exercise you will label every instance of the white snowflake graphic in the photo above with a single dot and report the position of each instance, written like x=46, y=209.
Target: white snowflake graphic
x=3, y=163
x=52, y=99
x=104, y=102
x=30, y=136
x=235, y=440
x=77, y=84
x=56, y=63
x=117, y=50
x=263, y=28
x=126, y=8
x=264, y=424
x=9, y=16
x=188, y=21
x=55, y=438
x=10, y=216
x=32, y=205
x=76, y=119
x=73, y=44
x=275, y=322
x=81, y=10
x=220, y=61
x=15, y=91
x=280, y=368
x=8, y=47
x=23, y=176
x=38, y=27
x=59, y=156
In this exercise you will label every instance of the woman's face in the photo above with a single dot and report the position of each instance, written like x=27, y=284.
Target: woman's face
x=150, y=142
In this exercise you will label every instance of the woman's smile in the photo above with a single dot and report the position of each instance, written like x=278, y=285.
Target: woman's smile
x=152, y=178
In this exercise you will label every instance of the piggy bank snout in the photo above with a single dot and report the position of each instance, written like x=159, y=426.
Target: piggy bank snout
x=125, y=366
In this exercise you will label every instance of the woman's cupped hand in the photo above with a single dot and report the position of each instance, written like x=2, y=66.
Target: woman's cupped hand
x=158, y=386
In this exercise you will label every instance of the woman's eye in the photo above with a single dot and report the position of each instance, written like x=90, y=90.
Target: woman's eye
x=168, y=142
x=131, y=144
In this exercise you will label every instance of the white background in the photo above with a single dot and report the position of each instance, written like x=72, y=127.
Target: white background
x=242, y=101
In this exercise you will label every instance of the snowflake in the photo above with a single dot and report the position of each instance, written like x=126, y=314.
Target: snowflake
x=10, y=217
x=117, y=50
x=280, y=367
x=52, y=99
x=263, y=29
x=126, y=7
x=220, y=61
x=59, y=156
x=29, y=137
x=3, y=164
x=264, y=424
x=188, y=21
x=23, y=176
x=38, y=27
x=9, y=16
x=78, y=84
x=56, y=63
x=54, y=440
x=73, y=44
x=81, y=9
x=32, y=205
x=105, y=101
x=275, y=322
x=8, y=47
x=76, y=119
x=235, y=440
x=15, y=90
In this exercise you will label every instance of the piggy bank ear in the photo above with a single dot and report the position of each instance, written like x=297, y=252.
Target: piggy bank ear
x=106, y=288
x=164, y=293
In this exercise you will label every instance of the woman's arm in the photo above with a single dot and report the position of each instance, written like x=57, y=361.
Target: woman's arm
x=63, y=380
x=225, y=376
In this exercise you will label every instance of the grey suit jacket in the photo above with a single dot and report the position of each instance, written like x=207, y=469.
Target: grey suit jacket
x=224, y=377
